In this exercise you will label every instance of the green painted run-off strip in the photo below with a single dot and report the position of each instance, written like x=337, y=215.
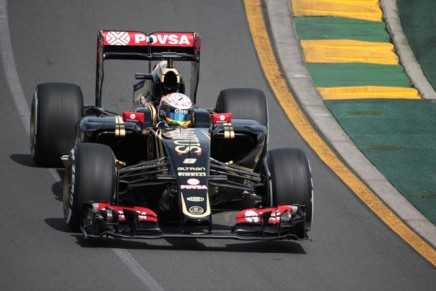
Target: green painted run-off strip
x=340, y=28
x=358, y=74
x=399, y=138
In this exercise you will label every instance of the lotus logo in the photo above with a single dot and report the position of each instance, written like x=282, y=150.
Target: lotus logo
x=196, y=210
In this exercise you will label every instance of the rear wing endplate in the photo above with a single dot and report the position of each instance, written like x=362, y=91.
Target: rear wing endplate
x=136, y=45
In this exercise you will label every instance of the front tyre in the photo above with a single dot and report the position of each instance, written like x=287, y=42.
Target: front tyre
x=89, y=177
x=289, y=180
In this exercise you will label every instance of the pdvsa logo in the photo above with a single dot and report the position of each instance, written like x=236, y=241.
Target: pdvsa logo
x=194, y=184
x=170, y=39
x=164, y=39
x=134, y=38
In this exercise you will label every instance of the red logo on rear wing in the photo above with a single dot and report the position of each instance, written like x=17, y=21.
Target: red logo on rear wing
x=136, y=38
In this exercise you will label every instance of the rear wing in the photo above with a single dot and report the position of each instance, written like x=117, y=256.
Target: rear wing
x=136, y=45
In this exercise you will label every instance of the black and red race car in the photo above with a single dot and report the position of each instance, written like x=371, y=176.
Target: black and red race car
x=126, y=177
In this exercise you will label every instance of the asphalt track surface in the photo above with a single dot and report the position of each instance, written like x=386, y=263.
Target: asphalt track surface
x=350, y=248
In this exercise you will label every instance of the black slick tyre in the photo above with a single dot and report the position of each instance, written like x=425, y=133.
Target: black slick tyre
x=56, y=110
x=289, y=180
x=89, y=177
x=243, y=103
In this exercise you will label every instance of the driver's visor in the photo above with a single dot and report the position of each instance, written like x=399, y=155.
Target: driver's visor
x=178, y=116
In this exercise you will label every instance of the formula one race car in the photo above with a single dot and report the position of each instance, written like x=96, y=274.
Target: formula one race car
x=127, y=176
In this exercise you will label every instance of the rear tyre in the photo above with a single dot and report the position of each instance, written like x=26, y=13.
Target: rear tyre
x=243, y=103
x=289, y=180
x=56, y=110
x=89, y=177
x=246, y=103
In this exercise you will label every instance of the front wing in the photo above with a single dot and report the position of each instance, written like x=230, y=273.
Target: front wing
x=107, y=220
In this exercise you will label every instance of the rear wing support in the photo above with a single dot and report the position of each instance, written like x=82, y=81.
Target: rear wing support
x=135, y=45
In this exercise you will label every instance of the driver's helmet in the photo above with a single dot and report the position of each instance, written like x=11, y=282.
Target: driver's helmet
x=167, y=79
x=176, y=108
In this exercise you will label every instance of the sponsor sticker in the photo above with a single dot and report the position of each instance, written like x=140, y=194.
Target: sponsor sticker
x=221, y=118
x=193, y=184
x=171, y=39
x=193, y=187
x=136, y=38
x=199, y=169
x=133, y=116
x=189, y=161
x=191, y=171
x=193, y=181
x=117, y=38
x=196, y=210
x=251, y=216
x=186, y=141
x=195, y=199
x=191, y=174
